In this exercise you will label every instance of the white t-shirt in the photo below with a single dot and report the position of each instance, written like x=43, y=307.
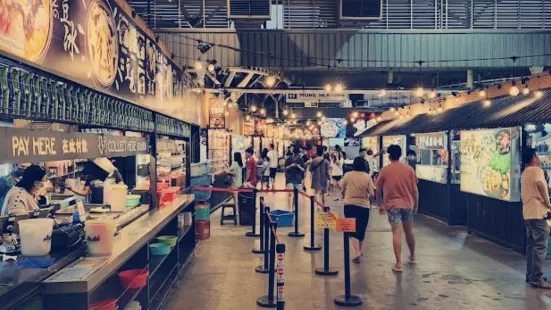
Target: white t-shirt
x=336, y=169
x=237, y=178
x=274, y=158
x=533, y=208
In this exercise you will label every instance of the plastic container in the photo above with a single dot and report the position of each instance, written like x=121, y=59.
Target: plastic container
x=115, y=196
x=202, y=212
x=160, y=248
x=283, y=218
x=202, y=229
x=133, y=201
x=170, y=240
x=100, y=235
x=108, y=304
x=133, y=278
x=171, y=193
x=36, y=236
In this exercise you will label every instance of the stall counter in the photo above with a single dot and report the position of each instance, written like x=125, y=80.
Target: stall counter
x=126, y=244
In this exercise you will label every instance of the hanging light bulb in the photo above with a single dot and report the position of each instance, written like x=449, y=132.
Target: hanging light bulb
x=308, y=123
x=439, y=109
x=379, y=119
x=248, y=117
x=482, y=93
x=487, y=103
x=269, y=120
x=253, y=108
x=396, y=113
x=319, y=114
x=328, y=87
x=352, y=120
x=419, y=92
x=514, y=91
x=230, y=104
x=270, y=81
x=263, y=111
x=285, y=112
x=345, y=122
x=338, y=88
x=392, y=109
x=198, y=65
x=227, y=113
x=355, y=114
x=538, y=94
x=432, y=94
x=526, y=91
x=211, y=68
x=323, y=118
x=382, y=93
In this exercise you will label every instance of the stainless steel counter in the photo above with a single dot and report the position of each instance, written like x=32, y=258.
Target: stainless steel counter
x=129, y=240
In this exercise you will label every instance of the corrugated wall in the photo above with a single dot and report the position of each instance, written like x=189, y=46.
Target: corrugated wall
x=365, y=48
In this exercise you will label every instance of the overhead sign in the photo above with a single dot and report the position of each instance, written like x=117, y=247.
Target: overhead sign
x=24, y=145
x=317, y=97
x=437, y=140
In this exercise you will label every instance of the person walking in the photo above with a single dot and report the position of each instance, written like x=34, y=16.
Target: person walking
x=336, y=173
x=262, y=167
x=274, y=163
x=535, y=207
x=397, y=195
x=357, y=190
x=250, y=175
x=294, y=173
x=319, y=169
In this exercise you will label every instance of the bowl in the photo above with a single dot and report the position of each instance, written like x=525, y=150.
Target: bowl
x=160, y=249
x=171, y=240
x=133, y=278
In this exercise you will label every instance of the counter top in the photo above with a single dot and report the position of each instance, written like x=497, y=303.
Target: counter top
x=88, y=273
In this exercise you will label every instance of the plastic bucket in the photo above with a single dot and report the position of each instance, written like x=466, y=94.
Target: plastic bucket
x=100, y=235
x=36, y=236
x=133, y=278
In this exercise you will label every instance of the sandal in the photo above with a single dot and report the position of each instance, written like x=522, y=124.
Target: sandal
x=356, y=260
x=396, y=269
x=412, y=260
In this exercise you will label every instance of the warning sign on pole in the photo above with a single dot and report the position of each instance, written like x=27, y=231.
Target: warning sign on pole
x=325, y=220
x=346, y=225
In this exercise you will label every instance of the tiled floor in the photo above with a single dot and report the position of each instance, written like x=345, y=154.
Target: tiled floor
x=455, y=271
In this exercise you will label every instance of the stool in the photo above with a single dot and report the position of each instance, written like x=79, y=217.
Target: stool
x=224, y=217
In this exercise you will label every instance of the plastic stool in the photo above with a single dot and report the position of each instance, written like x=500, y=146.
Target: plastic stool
x=224, y=217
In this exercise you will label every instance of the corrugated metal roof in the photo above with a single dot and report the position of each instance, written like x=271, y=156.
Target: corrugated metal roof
x=503, y=112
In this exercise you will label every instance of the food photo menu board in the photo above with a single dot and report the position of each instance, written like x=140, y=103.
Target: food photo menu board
x=490, y=163
x=97, y=43
x=432, y=157
x=396, y=140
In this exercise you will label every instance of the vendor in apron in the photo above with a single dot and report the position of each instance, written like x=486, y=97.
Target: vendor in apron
x=95, y=173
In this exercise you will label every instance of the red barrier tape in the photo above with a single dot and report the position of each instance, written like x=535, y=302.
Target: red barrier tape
x=275, y=191
x=304, y=194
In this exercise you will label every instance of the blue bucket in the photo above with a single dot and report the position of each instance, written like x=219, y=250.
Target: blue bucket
x=282, y=218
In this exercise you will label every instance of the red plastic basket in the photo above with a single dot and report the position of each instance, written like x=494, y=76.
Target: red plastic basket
x=170, y=194
x=133, y=278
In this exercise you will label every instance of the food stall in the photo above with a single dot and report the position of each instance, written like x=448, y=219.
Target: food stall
x=400, y=140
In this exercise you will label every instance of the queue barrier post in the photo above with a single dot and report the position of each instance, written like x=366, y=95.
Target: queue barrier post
x=280, y=250
x=347, y=300
x=313, y=246
x=269, y=300
x=262, y=218
x=264, y=268
x=326, y=270
x=296, y=233
x=253, y=233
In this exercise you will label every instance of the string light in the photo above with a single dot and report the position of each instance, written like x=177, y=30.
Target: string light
x=227, y=113
x=270, y=81
x=514, y=91
x=328, y=87
x=432, y=94
x=487, y=103
x=319, y=114
x=538, y=94
x=285, y=112
x=293, y=115
x=379, y=119
x=419, y=92
x=198, y=65
x=308, y=123
x=338, y=88
x=263, y=111
x=323, y=118
x=248, y=117
x=230, y=104
x=526, y=91
x=352, y=120
x=355, y=114
x=382, y=93
x=482, y=93
x=392, y=109
x=253, y=108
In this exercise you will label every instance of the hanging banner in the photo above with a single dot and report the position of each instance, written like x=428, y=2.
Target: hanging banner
x=316, y=97
x=248, y=127
x=437, y=140
x=217, y=114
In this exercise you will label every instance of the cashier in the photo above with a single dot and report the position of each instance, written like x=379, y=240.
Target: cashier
x=23, y=197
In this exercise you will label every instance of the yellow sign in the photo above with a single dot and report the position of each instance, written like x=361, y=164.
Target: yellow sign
x=325, y=220
x=346, y=225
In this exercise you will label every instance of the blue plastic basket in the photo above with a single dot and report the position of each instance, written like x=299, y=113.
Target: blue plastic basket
x=282, y=218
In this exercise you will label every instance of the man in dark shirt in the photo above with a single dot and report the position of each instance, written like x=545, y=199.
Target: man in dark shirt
x=294, y=172
x=251, y=168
